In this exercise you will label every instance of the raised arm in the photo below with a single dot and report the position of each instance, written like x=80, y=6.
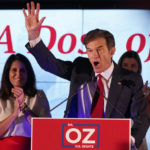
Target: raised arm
x=38, y=49
x=32, y=21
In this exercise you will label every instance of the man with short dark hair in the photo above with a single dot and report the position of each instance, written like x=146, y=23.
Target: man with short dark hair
x=104, y=90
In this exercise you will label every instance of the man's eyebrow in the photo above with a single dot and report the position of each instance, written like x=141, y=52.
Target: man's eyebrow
x=100, y=46
x=97, y=47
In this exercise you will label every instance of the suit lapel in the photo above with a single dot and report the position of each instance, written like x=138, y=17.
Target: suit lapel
x=114, y=92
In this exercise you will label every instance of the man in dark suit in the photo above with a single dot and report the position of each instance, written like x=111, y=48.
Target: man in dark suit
x=123, y=96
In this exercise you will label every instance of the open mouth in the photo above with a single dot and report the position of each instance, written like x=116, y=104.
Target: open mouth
x=96, y=63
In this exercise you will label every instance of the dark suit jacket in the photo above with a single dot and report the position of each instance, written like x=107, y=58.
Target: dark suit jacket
x=126, y=102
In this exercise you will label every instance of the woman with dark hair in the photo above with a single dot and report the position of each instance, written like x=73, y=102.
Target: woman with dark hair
x=130, y=60
x=19, y=101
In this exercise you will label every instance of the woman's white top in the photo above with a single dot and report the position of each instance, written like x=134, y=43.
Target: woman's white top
x=20, y=126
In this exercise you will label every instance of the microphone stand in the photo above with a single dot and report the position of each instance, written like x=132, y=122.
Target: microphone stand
x=68, y=98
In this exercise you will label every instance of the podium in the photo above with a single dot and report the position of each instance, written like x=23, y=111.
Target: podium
x=80, y=134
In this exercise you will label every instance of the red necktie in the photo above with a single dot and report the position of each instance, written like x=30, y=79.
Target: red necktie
x=98, y=109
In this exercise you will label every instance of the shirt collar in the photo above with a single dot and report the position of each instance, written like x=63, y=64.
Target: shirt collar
x=107, y=73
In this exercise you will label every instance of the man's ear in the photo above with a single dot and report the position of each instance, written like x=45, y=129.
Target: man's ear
x=112, y=51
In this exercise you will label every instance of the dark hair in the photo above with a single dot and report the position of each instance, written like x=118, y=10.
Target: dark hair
x=131, y=54
x=6, y=86
x=98, y=33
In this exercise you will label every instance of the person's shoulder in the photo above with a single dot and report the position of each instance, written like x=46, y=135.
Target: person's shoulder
x=127, y=74
x=82, y=63
x=124, y=72
x=39, y=93
x=82, y=60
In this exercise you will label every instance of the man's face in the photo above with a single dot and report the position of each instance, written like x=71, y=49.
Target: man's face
x=99, y=54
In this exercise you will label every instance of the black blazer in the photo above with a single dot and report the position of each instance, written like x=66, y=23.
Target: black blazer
x=126, y=101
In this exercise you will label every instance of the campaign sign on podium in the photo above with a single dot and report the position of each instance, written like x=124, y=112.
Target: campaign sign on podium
x=80, y=134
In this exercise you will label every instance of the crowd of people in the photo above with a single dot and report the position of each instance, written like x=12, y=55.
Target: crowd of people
x=121, y=90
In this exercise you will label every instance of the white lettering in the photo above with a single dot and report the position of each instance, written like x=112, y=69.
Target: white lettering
x=90, y=133
x=75, y=140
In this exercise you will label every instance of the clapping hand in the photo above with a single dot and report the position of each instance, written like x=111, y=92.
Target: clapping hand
x=19, y=95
